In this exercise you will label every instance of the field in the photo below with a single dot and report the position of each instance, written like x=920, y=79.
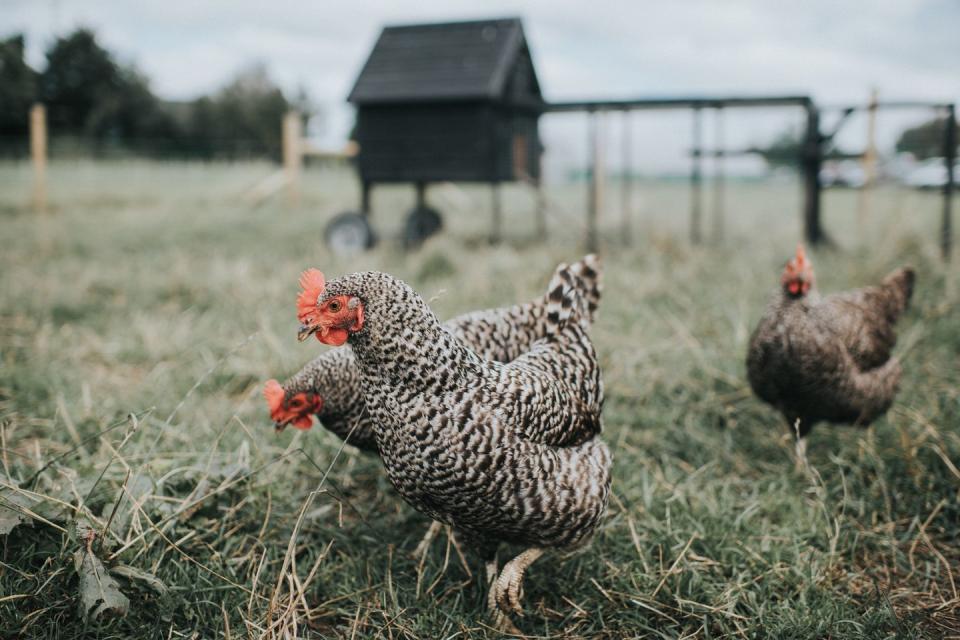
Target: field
x=140, y=316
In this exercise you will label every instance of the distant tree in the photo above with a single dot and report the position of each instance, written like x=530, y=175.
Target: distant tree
x=242, y=119
x=89, y=94
x=925, y=140
x=784, y=151
x=17, y=91
x=80, y=77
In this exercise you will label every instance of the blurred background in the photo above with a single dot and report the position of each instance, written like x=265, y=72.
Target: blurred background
x=168, y=168
x=212, y=81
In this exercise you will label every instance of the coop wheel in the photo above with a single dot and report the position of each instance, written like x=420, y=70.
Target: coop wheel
x=422, y=222
x=349, y=233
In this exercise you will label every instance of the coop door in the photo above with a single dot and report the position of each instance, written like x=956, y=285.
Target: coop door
x=520, y=157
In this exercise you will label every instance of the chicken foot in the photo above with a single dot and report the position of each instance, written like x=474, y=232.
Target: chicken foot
x=800, y=444
x=501, y=621
x=491, y=570
x=802, y=463
x=426, y=541
x=508, y=589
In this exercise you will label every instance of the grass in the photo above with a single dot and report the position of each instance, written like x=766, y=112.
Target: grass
x=139, y=318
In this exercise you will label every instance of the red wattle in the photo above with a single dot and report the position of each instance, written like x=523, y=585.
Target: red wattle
x=334, y=336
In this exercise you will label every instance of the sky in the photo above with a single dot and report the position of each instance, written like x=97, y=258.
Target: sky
x=833, y=50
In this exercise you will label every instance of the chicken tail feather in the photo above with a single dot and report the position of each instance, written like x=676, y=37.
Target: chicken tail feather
x=566, y=300
x=899, y=288
x=590, y=271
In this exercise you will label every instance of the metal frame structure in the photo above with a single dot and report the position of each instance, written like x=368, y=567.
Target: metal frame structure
x=813, y=151
x=811, y=155
x=949, y=154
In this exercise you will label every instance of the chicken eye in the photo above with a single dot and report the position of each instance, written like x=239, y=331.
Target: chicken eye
x=334, y=306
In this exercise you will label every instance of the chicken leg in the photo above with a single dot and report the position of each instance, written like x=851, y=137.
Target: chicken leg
x=800, y=443
x=491, y=569
x=501, y=621
x=426, y=541
x=802, y=463
x=508, y=589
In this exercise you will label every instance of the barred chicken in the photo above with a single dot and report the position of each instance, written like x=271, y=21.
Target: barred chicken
x=329, y=385
x=828, y=358
x=503, y=452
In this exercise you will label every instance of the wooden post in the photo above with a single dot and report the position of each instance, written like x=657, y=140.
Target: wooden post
x=365, y=188
x=626, y=182
x=719, y=177
x=292, y=155
x=421, y=190
x=869, y=164
x=696, y=175
x=496, y=229
x=949, y=158
x=593, y=190
x=811, y=161
x=38, y=155
x=541, y=212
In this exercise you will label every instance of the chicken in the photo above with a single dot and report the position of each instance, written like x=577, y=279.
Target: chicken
x=503, y=452
x=329, y=385
x=828, y=359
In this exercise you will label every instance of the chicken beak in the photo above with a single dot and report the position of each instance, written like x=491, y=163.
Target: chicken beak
x=306, y=331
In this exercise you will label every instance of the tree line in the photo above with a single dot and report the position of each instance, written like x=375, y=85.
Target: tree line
x=98, y=106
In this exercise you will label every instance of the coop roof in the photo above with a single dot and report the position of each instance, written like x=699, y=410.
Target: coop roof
x=447, y=61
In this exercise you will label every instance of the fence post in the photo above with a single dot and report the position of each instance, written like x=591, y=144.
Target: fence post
x=719, y=176
x=38, y=156
x=496, y=222
x=869, y=164
x=949, y=158
x=812, y=159
x=292, y=155
x=593, y=186
x=626, y=184
x=696, y=172
x=541, y=204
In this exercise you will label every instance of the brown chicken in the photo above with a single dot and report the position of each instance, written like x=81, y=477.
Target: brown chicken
x=828, y=359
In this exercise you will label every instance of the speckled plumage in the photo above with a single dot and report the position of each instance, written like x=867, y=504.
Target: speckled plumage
x=829, y=359
x=494, y=334
x=503, y=452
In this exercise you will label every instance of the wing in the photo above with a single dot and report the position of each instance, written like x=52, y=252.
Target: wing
x=864, y=319
x=553, y=393
x=504, y=334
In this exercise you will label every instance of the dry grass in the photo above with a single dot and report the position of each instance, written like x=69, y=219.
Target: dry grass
x=138, y=320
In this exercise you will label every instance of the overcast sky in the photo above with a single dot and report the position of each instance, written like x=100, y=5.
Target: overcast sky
x=834, y=50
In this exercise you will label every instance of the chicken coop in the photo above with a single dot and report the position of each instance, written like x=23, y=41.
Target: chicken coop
x=450, y=102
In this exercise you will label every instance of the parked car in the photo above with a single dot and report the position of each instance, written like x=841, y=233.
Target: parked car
x=931, y=174
x=845, y=173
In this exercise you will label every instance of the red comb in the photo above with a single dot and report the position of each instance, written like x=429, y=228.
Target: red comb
x=801, y=255
x=313, y=284
x=273, y=393
x=301, y=418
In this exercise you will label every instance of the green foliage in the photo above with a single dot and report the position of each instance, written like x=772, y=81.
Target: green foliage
x=87, y=93
x=925, y=140
x=241, y=120
x=97, y=106
x=163, y=298
x=17, y=90
x=784, y=151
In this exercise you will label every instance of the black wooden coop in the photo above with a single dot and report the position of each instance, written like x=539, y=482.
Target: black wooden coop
x=450, y=102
